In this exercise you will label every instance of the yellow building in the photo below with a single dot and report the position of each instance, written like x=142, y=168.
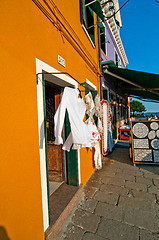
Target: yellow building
x=44, y=46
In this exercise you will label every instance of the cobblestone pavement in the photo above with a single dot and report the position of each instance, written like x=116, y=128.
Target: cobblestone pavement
x=119, y=201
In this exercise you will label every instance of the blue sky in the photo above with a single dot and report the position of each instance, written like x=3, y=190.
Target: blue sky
x=140, y=37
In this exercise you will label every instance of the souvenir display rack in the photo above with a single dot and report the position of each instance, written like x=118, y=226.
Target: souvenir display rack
x=145, y=142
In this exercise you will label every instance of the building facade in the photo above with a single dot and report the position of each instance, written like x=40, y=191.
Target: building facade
x=45, y=47
x=114, y=54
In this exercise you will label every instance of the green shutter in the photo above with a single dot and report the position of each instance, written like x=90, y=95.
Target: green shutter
x=96, y=7
x=71, y=158
x=87, y=18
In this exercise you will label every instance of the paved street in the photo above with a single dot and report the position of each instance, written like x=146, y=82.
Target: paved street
x=119, y=202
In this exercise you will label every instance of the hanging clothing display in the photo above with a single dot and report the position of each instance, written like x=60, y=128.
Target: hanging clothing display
x=93, y=128
x=90, y=107
x=98, y=113
x=95, y=142
x=90, y=110
x=110, y=132
x=80, y=134
x=102, y=111
x=83, y=134
x=98, y=106
x=105, y=123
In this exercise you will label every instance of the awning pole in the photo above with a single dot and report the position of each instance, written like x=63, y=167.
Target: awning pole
x=90, y=3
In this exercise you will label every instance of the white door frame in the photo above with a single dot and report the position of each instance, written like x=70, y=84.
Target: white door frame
x=41, y=66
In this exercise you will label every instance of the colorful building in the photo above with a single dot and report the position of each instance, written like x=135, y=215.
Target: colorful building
x=113, y=55
x=45, y=47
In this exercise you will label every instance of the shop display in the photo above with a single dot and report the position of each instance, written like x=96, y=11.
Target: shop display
x=143, y=155
x=140, y=130
x=156, y=156
x=141, y=143
x=145, y=142
x=151, y=134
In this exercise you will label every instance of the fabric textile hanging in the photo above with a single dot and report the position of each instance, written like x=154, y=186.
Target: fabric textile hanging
x=90, y=110
x=95, y=142
x=104, y=114
x=80, y=134
x=83, y=134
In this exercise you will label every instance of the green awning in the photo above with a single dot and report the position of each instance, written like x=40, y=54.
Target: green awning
x=134, y=83
x=96, y=7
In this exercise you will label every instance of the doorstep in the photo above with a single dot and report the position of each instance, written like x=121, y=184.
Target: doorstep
x=62, y=202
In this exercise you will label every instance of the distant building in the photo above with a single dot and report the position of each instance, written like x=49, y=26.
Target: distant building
x=113, y=54
x=45, y=46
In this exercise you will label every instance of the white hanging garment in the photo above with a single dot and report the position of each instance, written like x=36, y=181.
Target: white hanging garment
x=90, y=111
x=98, y=106
x=97, y=156
x=95, y=142
x=99, y=126
x=80, y=134
x=90, y=107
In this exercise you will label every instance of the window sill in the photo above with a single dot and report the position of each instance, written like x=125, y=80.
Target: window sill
x=84, y=28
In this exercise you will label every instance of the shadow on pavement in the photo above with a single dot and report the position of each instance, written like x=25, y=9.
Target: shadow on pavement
x=121, y=154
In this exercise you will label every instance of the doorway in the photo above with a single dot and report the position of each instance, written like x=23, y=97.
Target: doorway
x=62, y=165
x=55, y=153
x=50, y=85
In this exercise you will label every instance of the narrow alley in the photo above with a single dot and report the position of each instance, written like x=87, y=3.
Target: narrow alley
x=118, y=202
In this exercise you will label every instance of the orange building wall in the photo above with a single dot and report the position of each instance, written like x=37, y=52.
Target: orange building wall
x=26, y=34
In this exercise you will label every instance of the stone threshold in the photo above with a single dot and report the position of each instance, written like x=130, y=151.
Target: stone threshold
x=53, y=230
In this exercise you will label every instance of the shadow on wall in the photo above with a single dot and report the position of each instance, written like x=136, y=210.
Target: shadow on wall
x=42, y=135
x=3, y=234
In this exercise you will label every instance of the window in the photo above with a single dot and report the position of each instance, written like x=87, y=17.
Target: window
x=87, y=19
x=117, y=60
x=105, y=94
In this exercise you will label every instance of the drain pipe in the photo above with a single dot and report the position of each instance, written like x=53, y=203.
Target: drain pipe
x=99, y=53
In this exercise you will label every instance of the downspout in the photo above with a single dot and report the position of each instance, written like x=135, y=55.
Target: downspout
x=99, y=54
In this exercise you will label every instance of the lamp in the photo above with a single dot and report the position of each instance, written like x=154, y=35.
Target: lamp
x=114, y=102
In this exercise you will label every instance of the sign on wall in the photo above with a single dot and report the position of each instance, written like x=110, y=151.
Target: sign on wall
x=145, y=142
x=61, y=61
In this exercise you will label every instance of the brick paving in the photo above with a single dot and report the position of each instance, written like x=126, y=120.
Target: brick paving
x=119, y=201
